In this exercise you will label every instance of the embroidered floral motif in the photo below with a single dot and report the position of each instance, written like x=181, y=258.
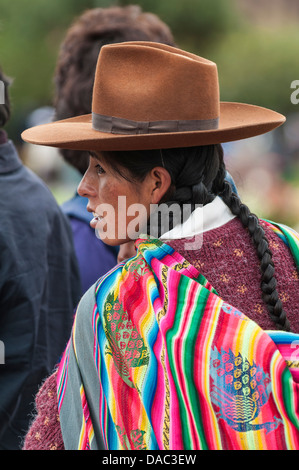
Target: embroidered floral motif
x=242, y=289
x=239, y=391
x=238, y=252
x=224, y=278
x=273, y=245
x=233, y=311
x=218, y=243
x=284, y=297
x=125, y=344
x=258, y=308
x=198, y=264
x=139, y=267
x=136, y=438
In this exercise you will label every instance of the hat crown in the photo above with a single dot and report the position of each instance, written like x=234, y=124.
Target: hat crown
x=145, y=81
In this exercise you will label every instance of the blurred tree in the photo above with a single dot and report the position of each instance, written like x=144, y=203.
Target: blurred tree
x=30, y=34
x=258, y=67
x=195, y=22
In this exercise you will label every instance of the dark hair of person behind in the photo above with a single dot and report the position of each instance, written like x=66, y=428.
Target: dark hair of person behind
x=4, y=107
x=197, y=177
x=75, y=68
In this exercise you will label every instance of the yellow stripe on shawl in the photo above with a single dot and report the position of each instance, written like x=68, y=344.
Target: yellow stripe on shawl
x=245, y=344
x=82, y=433
x=288, y=434
x=84, y=426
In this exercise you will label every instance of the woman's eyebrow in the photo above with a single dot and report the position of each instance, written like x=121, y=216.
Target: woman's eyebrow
x=93, y=154
x=99, y=159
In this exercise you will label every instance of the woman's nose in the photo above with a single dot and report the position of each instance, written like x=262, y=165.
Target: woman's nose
x=86, y=188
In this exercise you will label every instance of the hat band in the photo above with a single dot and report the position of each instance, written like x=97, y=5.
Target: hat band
x=116, y=125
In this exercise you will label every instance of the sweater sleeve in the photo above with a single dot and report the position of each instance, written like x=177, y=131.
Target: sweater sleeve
x=44, y=432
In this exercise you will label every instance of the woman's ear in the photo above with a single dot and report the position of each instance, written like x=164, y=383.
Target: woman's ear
x=160, y=183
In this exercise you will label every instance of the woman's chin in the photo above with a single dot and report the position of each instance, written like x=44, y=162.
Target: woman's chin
x=109, y=239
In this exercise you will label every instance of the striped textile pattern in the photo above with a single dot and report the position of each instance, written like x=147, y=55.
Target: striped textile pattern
x=162, y=362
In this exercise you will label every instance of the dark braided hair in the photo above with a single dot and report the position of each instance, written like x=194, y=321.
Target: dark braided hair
x=198, y=175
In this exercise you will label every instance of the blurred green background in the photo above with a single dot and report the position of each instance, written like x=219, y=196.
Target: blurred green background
x=254, y=43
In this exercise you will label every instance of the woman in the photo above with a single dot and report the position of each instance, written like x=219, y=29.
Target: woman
x=182, y=346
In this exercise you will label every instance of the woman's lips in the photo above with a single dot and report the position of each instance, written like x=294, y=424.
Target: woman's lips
x=96, y=219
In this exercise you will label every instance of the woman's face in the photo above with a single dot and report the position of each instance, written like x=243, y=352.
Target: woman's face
x=120, y=207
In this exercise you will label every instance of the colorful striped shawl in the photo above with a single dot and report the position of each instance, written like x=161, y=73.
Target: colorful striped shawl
x=157, y=360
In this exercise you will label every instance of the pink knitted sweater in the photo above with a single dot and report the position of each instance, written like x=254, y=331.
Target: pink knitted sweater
x=229, y=261
x=45, y=432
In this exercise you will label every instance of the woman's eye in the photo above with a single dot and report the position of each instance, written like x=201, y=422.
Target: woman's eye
x=99, y=169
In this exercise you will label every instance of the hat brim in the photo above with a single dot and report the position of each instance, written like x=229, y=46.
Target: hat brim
x=237, y=121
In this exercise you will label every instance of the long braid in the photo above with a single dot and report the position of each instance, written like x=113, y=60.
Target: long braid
x=250, y=221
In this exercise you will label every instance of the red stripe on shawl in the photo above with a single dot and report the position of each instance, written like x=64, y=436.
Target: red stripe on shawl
x=128, y=406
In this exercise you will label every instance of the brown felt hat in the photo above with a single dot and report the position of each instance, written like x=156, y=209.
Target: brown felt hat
x=149, y=96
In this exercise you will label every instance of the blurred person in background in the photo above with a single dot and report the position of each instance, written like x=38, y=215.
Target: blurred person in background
x=39, y=285
x=74, y=79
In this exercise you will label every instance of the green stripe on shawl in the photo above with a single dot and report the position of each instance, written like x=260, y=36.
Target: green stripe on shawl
x=289, y=397
x=189, y=351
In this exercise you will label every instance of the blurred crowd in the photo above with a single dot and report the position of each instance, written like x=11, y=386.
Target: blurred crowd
x=266, y=168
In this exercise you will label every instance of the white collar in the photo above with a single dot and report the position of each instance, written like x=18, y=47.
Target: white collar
x=204, y=218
